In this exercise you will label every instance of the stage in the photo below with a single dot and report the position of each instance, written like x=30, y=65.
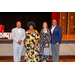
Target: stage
x=68, y=37
x=67, y=49
x=64, y=19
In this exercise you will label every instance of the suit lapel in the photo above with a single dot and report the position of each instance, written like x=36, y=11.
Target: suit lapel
x=55, y=28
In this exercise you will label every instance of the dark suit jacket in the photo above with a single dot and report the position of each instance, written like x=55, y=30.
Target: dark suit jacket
x=57, y=35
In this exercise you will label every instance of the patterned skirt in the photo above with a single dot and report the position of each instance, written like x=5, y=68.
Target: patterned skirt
x=41, y=55
x=32, y=55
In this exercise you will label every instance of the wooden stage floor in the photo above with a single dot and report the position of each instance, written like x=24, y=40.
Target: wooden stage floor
x=61, y=60
x=68, y=36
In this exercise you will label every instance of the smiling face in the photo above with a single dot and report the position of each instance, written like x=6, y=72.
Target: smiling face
x=31, y=27
x=18, y=24
x=44, y=25
x=54, y=22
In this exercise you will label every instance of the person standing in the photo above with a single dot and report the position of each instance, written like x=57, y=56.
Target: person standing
x=56, y=36
x=18, y=36
x=31, y=43
x=44, y=42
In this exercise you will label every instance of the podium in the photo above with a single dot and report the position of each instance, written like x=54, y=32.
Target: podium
x=4, y=35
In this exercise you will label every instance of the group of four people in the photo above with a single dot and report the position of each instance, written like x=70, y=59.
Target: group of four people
x=34, y=51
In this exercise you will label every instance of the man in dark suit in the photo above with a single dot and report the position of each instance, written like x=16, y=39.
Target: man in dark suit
x=56, y=36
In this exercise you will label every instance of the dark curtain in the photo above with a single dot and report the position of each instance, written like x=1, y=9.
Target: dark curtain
x=9, y=19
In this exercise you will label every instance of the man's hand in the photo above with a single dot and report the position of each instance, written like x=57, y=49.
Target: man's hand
x=19, y=42
x=57, y=44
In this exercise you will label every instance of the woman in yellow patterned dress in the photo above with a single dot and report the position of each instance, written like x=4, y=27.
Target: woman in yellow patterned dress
x=31, y=43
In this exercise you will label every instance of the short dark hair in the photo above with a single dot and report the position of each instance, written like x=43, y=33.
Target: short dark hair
x=18, y=21
x=55, y=20
x=31, y=23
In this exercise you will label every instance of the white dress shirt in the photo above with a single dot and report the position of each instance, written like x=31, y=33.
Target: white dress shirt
x=52, y=29
x=19, y=30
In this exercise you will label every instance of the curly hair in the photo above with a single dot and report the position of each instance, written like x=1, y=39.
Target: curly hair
x=31, y=23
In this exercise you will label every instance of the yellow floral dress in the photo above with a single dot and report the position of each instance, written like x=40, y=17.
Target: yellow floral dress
x=31, y=53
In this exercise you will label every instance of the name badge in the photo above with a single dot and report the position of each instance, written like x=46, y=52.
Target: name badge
x=45, y=32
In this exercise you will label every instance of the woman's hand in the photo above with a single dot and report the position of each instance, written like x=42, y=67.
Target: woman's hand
x=24, y=43
x=46, y=45
x=34, y=46
x=25, y=46
x=36, y=43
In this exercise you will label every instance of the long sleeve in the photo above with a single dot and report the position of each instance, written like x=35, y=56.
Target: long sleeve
x=48, y=36
x=40, y=33
x=37, y=35
x=13, y=36
x=50, y=30
x=60, y=34
x=23, y=38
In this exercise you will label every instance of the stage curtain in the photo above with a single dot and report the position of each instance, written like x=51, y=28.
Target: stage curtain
x=55, y=15
x=9, y=19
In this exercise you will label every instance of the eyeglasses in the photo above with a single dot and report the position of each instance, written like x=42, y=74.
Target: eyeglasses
x=53, y=22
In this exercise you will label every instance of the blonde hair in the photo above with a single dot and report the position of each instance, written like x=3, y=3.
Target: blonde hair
x=47, y=24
